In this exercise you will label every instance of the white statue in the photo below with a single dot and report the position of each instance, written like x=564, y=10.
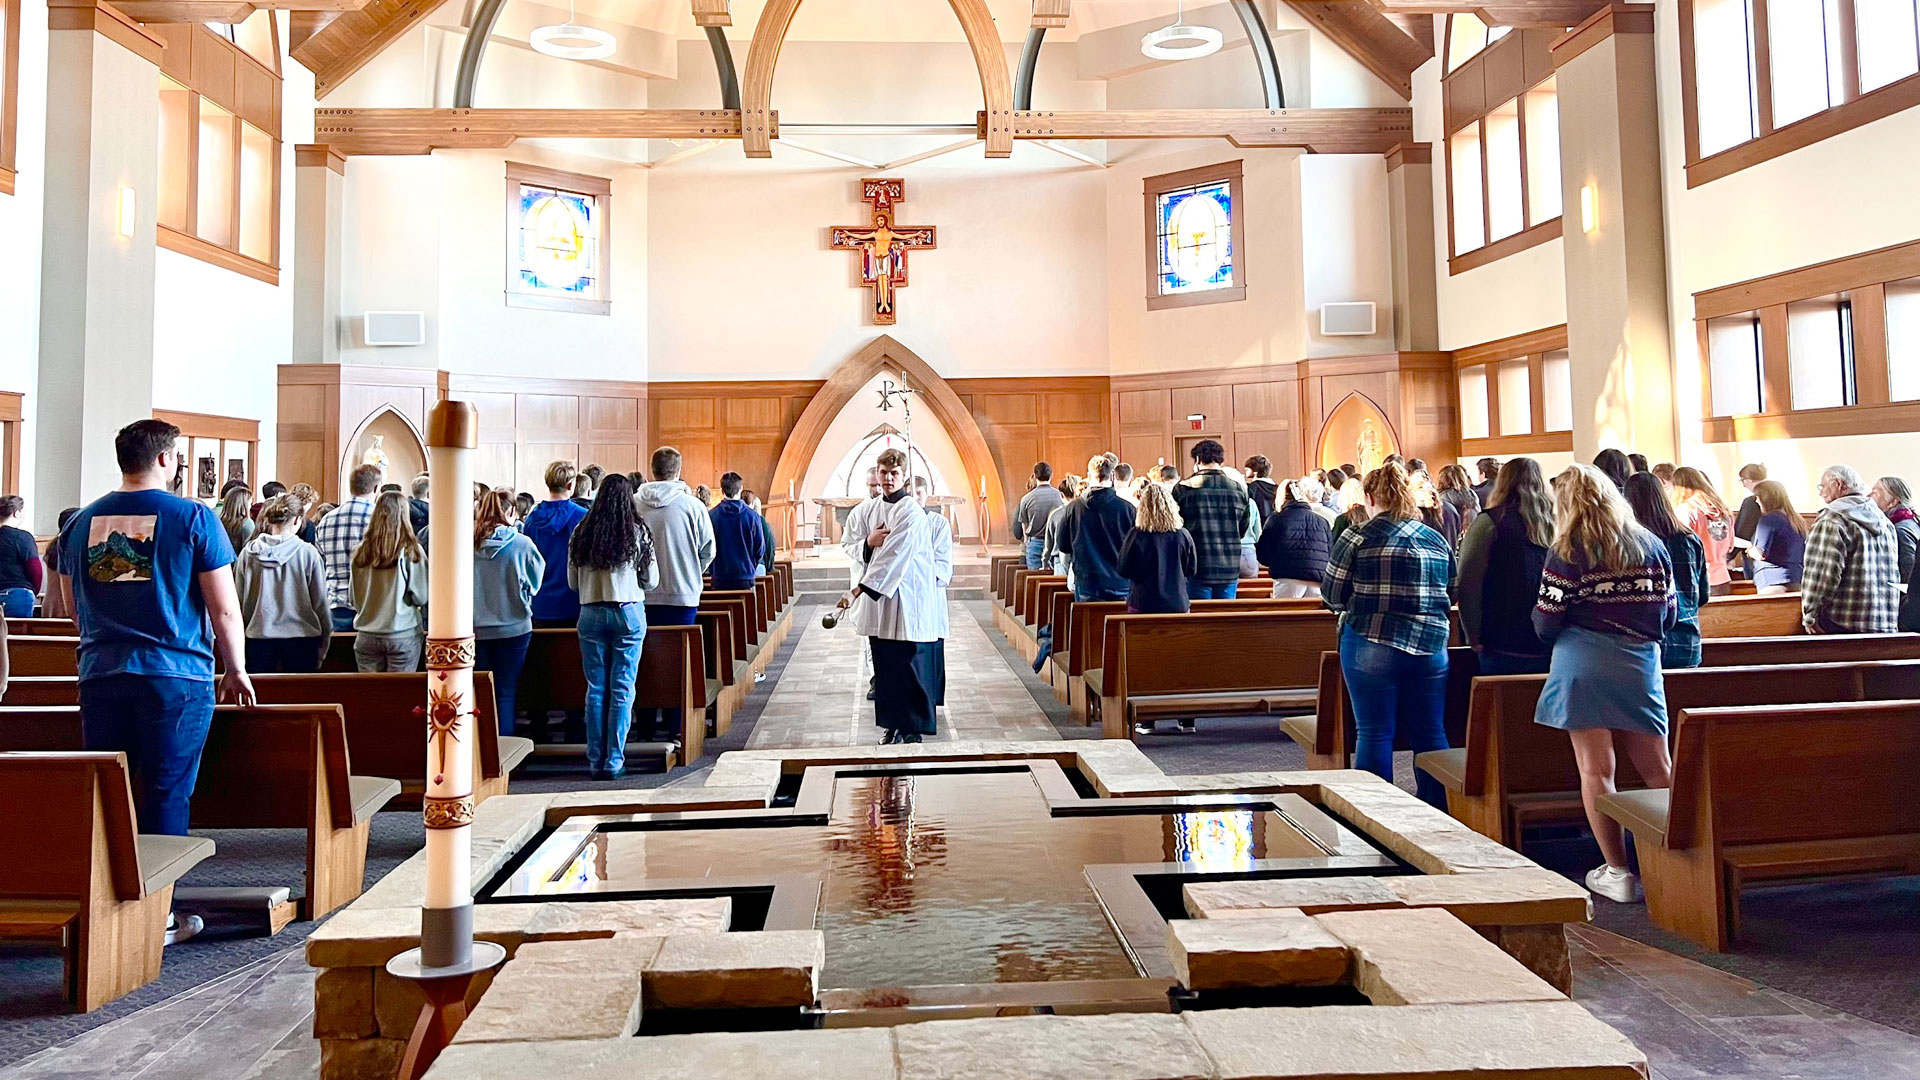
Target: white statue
x=376, y=454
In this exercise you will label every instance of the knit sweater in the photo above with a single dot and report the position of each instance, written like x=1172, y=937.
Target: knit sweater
x=1637, y=602
x=1295, y=543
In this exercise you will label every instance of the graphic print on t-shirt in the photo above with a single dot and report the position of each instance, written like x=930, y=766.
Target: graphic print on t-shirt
x=120, y=547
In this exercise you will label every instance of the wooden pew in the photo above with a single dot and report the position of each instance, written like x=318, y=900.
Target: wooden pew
x=1512, y=773
x=723, y=664
x=42, y=627
x=263, y=767
x=1082, y=647
x=384, y=716
x=93, y=885
x=672, y=676
x=1773, y=794
x=1211, y=663
x=1332, y=747
x=1773, y=615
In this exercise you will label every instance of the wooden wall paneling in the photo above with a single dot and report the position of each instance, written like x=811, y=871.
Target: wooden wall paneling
x=547, y=413
x=613, y=414
x=1265, y=416
x=1082, y=407
x=1870, y=344
x=1428, y=421
x=493, y=464
x=1215, y=402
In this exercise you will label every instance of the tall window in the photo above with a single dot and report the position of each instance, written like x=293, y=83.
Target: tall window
x=1516, y=394
x=9, y=90
x=1829, y=349
x=557, y=240
x=1754, y=70
x=1194, y=249
x=219, y=197
x=1503, y=142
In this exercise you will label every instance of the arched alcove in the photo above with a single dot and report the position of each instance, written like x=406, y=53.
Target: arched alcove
x=1356, y=432
x=406, y=451
x=935, y=397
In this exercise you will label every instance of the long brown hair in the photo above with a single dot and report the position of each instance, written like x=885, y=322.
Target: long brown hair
x=1454, y=477
x=1593, y=523
x=1158, y=514
x=235, y=509
x=495, y=509
x=1521, y=483
x=389, y=536
x=1389, y=488
x=1772, y=496
x=1694, y=482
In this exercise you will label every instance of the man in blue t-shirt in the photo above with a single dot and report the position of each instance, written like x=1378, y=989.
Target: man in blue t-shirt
x=147, y=572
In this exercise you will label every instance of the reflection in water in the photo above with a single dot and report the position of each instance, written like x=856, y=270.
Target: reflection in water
x=947, y=877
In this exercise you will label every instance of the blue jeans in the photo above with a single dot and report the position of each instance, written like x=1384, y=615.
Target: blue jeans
x=1395, y=691
x=342, y=620
x=504, y=657
x=653, y=721
x=17, y=603
x=161, y=725
x=610, y=639
x=1035, y=545
x=1199, y=591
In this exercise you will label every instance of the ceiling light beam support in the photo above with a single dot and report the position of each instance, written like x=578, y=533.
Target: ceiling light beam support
x=1029, y=62
x=422, y=131
x=723, y=64
x=1273, y=91
x=467, y=75
x=1321, y=131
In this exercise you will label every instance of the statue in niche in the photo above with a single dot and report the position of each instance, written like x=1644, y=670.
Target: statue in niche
x=376, y=453
x=1366, y=447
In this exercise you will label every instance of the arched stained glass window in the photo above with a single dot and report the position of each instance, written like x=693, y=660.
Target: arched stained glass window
x=557, y=240
x=1193, y=223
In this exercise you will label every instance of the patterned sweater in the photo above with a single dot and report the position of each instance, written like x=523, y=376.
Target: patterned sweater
x=1637, y=602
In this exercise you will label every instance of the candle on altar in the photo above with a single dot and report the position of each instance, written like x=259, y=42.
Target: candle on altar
x=453, y=436
x=983, y=485
x=789, y=491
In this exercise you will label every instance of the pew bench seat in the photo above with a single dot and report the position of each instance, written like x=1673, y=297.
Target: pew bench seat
x=514, y=749
x=1447, y=766
x=367, y=794
x=166, y=859
x=1142, y=708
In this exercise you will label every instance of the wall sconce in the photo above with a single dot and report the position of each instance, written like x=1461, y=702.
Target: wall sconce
x=127, y=215
x=1589, y=219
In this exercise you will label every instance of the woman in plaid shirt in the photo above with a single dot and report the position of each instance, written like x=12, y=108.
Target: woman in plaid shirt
x=1390, y=580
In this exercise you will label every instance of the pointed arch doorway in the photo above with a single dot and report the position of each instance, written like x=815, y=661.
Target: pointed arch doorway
x=884, y=354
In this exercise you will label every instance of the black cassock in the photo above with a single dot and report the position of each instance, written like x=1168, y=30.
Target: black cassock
x=906, y=685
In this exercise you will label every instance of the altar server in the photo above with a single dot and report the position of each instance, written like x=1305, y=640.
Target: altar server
x=940, y=538
x=853, y=541
x=898, y=607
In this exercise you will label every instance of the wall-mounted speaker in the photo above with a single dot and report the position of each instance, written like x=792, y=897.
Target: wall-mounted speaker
x=1347, y=319
x=394, y=327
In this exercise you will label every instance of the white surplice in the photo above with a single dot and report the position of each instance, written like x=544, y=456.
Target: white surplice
x=901, y=571
x=940, y=539
x=853, y=537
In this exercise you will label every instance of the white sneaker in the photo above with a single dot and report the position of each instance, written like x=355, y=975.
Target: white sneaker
x=1616, y=884
x=183, y=929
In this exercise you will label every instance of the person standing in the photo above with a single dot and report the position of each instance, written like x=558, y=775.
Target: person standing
x=682, y=536
x=940, y=540
x=897, y=606
x=1091, y=534
x=507, y=570
x=1606, y=601
x=550, y=527
x=1389, y=580
x=1218, y=514
x=389, y=590
x=770, y=545
x=1157, y=557
x=1501, y=559
x=1780, y=541
x=1295, y=543
x=417, y=505
x=338, y=536
x=1895, y=499
x=22, y=575
x=1746, y=519
x=236, y=515
x=1700, y=509
x=853, y=541
x=739, y=537
x=1489, y=472
x=282, y=584
x=1680, y=644
x=1261, y=487
x=1457, y=492
x=610, y=565
x=147, y=576
x=1615, y=465
x=1052, y=556
x=1036, y=506
x=1851, y=562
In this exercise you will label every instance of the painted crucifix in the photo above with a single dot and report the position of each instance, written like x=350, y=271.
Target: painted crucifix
x=883, y=246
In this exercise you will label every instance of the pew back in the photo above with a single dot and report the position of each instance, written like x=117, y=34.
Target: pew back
x=75, y=798
x=1212, y=657
x=1773, y=615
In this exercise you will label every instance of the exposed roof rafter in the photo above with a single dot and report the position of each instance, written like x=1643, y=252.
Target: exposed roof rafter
x=1367, y=35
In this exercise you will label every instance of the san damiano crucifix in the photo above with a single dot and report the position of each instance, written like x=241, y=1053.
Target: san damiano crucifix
x=883, y=246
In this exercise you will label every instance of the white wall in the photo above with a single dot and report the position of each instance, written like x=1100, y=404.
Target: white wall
x=20, y=228
x=1345, y=247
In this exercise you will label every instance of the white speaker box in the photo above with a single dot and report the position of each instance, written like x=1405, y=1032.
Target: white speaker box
x=1347, y=319
x=394, y=328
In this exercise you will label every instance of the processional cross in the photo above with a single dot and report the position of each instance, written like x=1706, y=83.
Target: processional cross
x=883, y=246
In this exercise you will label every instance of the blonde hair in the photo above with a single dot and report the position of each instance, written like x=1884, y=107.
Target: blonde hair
x=560, y=476
x=1158, y=513
x=389, y=536
x=1593, y=522
x=1694, y=482
x=494, y=509
x=1391, y=490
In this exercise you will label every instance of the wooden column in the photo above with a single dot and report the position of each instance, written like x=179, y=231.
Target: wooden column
x=1416, y=308
x=319, y=195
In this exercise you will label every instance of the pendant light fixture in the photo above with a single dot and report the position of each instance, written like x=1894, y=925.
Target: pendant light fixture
x=1180, y=41
x=572, y=41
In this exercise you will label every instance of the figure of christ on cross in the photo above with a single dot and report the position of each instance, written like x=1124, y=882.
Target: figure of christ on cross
x=882, y=245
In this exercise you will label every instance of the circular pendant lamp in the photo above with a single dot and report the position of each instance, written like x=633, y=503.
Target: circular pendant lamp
x=571, y=41
x=1180, y=41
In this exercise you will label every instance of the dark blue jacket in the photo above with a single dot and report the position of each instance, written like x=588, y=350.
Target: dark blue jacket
x=739, y=544
x=1157, y=566
x=550, y=526
x=1093, y=531
x=1295, y=543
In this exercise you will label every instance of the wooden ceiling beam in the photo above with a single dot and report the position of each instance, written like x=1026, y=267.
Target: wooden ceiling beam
x=420, y=131
x=1516, y=13
x=1322, y=131
x=222, y=11
x=711, y=13
x=1367, y=35
x=1050, y=14
x=346, y=41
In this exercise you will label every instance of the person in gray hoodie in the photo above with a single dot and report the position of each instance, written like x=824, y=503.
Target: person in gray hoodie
x=683, y=547
x=507, y=571
x=282, y=582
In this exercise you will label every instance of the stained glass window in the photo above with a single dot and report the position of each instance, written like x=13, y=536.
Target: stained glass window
x=557, y=226
x=1196, y=238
